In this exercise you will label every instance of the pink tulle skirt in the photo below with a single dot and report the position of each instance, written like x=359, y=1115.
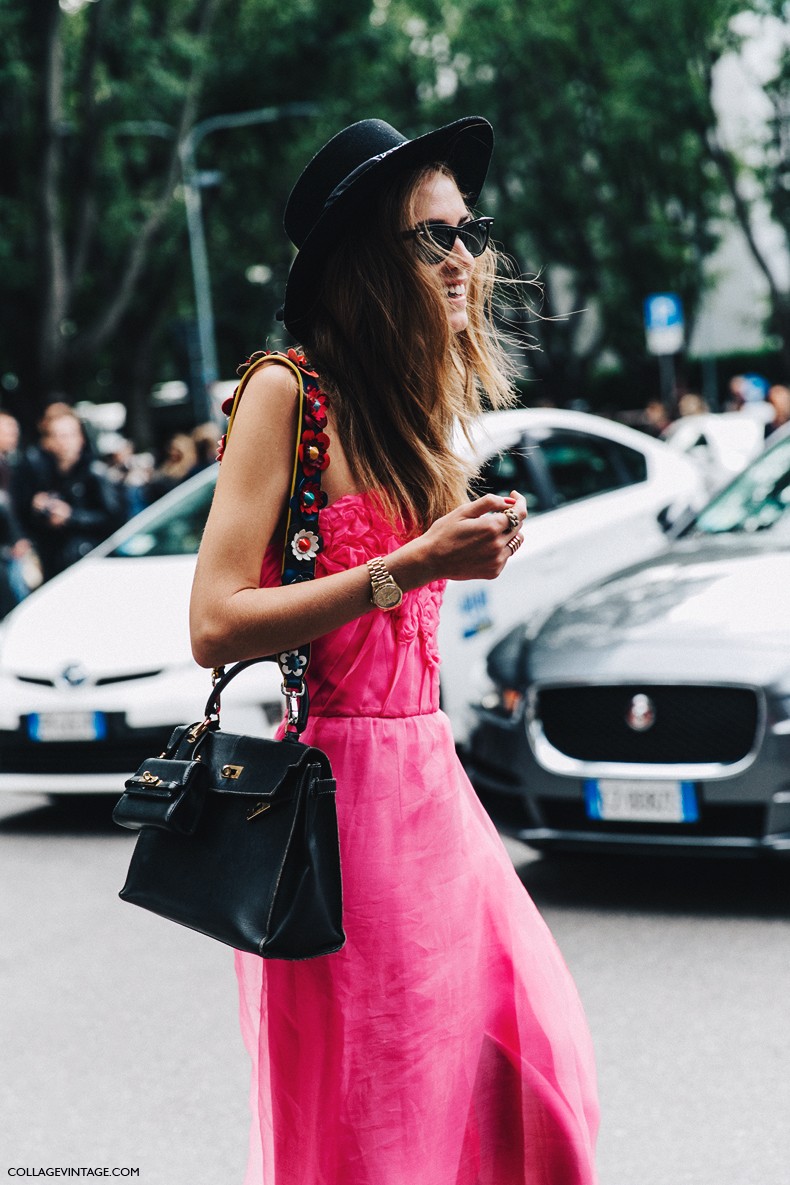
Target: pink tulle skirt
x=445, y=1044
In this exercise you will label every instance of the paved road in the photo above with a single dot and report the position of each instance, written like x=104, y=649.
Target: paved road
x=118, y=1033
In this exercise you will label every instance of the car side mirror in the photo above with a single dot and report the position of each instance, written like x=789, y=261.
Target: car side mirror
x=665, y=518
x=673, y=522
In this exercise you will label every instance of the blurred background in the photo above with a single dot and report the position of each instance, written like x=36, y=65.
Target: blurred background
x=148, y=150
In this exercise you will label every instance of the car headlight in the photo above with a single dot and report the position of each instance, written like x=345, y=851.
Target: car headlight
x=507, y=670
x=505, y=701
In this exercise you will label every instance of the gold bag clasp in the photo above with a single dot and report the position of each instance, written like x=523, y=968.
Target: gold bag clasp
x=258, y=809
x=231, y=771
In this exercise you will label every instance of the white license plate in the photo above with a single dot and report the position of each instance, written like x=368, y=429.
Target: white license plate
x=67, y=726
x=622, y=800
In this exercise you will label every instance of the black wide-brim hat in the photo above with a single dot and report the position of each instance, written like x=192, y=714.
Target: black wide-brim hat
x=345, y=174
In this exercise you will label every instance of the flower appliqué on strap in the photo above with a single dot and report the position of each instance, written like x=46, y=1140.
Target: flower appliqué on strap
x=308, y=499
x=292, y=662
x=315, y=409
x=306, y=545
x=313, y=452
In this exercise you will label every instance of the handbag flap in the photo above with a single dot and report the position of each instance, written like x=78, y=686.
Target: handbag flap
x=163, y=793
x=158, y=777
x=254, y=766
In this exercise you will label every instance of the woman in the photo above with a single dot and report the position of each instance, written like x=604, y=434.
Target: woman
x=445, y=1043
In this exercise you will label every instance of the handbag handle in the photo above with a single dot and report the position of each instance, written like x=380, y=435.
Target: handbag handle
x=302, y=540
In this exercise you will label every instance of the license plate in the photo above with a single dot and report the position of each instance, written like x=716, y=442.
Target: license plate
x=67, y=726
x=625, y=801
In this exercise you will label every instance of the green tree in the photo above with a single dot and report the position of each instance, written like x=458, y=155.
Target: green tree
x=94, y=99
x=90, y=191
x=601, y=181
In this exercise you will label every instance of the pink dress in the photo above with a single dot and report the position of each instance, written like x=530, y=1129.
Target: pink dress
x=445, y=1044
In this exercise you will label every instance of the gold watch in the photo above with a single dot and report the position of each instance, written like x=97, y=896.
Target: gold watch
x=384, y=592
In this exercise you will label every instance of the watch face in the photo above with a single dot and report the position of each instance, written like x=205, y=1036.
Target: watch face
x=387, y=596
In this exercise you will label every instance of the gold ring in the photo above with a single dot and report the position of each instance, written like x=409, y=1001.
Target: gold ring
x=512, y=517
x=515, y=543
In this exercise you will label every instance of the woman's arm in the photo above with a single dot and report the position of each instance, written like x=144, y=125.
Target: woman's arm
x=231, y=618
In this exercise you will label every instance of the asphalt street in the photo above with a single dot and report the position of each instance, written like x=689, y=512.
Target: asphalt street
x=119, y=1041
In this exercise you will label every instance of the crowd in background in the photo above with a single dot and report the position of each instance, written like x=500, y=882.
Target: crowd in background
x=748, y=393
x=68, y=490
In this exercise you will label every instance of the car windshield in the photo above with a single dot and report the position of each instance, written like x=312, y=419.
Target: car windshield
x=175, y=530
x=758, y=499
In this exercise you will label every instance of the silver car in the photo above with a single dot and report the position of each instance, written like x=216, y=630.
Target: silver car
x=652, y=710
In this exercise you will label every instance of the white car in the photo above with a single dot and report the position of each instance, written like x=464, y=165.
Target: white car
x=721, y=444
x=96, y=668
x=600, y=495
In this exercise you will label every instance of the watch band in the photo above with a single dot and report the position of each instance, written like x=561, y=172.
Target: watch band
x=385, y=593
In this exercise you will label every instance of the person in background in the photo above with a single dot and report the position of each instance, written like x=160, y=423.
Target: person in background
x=654, y=418
x=779, y=399
x=21, y=571
x=10, y=456
x=692, y=404
x=206, y=440
x=128, y=471
x=32, y=463
x=9, y=441
x=748, y=394
x=180, y=462
x=68, y=506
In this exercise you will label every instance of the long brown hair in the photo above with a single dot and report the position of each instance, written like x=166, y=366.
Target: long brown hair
x=402, y=381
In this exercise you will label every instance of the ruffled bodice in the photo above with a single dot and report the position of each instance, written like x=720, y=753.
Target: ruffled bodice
x=381, y=664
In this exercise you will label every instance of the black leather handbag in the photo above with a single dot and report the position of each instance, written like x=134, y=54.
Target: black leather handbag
x=238, y=835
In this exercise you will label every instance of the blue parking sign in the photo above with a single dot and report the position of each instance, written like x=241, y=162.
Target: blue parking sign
x=664, y=324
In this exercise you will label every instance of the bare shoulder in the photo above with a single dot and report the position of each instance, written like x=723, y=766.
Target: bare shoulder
x=273, y=376
x=255, y=475
x=270, y=395
x=264, y=426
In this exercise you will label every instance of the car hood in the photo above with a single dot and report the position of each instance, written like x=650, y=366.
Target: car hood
x=107, y=616
x=715, y=608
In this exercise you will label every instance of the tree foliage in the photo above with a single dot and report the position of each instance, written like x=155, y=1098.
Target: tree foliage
x=90, y=194
x=604, y=181
x=601, y=181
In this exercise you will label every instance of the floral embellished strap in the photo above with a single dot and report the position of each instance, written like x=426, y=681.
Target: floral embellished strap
x=302, y=538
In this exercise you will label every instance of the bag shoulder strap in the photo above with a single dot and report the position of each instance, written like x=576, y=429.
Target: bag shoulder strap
x=302, y=541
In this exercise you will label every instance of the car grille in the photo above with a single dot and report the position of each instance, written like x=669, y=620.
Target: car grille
x=122, y=751
x=104, y=681
x=692, y=724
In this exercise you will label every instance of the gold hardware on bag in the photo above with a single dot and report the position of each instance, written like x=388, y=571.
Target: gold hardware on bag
x=197, y=730
x=231, y=771
x=258, y=809
x=151, y=779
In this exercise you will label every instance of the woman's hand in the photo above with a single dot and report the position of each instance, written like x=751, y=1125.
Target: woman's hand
x=475, y=541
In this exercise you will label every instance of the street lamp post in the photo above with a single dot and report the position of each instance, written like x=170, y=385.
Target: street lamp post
x=193, y=181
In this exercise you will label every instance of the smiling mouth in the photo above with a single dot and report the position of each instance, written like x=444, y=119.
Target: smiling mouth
x=456, y=291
